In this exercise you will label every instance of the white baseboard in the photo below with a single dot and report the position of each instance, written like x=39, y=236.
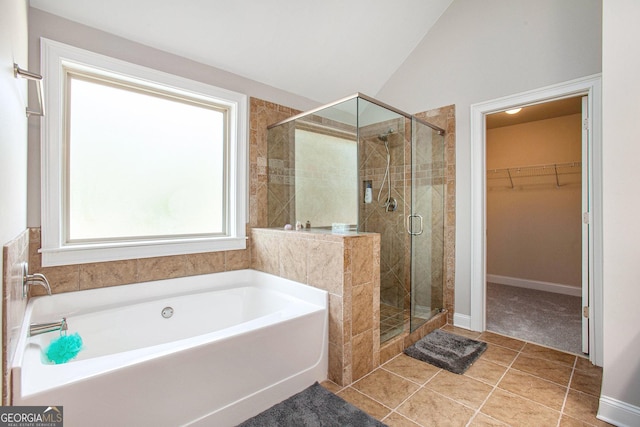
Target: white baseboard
x=535, y=284
x=462, y=321
x=618, y=413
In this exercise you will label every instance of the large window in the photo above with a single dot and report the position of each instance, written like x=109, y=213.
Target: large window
x=137, y=163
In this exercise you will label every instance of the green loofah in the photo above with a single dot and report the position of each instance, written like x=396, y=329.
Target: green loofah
x=64, y=348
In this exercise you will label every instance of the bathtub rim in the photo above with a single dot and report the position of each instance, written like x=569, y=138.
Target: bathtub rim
x=162, y=288
x=134, y=293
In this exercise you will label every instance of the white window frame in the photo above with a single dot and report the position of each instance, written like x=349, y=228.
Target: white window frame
x=55, y=250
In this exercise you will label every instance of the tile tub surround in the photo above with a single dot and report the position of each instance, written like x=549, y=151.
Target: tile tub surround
x=514, y=383
x=78, y=277
x=14, y=253
x=348, y=267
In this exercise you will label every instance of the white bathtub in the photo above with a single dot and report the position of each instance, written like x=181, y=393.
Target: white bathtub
x=237, y=343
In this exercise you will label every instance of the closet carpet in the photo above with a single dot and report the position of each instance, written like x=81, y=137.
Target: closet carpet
x=546, y=318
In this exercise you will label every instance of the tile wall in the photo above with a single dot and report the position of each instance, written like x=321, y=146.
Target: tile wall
x=445, y=118
x=428, y=172
x=14, y=254
x=395, y=276
x=328, y=172
x=80, y=277
x=346, y=266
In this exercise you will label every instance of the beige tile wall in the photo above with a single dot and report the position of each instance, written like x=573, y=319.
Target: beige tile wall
x=79, y=277
x=445, y=118
x=395, y=277
x=346, y=266
x=14, y=254
x=281, y=167
x=263, y=114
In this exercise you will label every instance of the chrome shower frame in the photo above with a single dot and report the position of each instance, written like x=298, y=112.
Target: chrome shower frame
x=397, y=214
x=439, y=130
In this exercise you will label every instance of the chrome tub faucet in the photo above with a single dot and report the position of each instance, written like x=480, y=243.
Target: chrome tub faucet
x=43, y=328
x=33, y=279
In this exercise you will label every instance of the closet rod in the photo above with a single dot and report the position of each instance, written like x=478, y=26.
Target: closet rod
x=549, y=169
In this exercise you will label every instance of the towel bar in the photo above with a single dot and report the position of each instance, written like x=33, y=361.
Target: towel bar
x=19, y=72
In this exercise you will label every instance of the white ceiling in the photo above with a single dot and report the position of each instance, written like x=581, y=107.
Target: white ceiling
x=532, y=113
x=321, y=49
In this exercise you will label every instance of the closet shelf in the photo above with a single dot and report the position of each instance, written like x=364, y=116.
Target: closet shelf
x=551, y=169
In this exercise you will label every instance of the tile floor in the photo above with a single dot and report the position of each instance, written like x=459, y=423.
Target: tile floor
x=514, y=383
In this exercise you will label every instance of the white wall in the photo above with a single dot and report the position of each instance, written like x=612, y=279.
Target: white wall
x=13, y=124
x=42, y=24
x=13, y=121
x=621, y=151
x=483, y=50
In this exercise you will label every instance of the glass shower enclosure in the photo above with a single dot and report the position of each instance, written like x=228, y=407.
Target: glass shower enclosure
x=360, y=165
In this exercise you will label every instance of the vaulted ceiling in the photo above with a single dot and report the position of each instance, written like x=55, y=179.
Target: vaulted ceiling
x=320, y=49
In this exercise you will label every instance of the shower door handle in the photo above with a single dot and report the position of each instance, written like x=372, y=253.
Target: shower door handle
x=410, y=225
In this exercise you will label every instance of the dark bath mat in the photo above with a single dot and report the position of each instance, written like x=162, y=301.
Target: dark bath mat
x=447, y=351
x=313, y=407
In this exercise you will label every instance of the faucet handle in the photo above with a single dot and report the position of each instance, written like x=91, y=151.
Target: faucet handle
x=25, y=279
x=35, y=278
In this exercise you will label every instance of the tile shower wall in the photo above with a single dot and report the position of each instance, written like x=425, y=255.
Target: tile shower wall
x=346, y=266
x=325, y=181
x=14, y=254
x=394, y=259
x=281, y=178
x=429, y=178
x=263, y=114
x=94, y=275
x=445, y=118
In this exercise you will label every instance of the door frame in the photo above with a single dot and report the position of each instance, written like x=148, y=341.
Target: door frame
x=591, y=86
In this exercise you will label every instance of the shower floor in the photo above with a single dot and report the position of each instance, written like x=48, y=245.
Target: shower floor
x=394, y=320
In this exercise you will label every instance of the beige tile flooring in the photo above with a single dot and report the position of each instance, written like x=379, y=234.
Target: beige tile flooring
x=514, y=383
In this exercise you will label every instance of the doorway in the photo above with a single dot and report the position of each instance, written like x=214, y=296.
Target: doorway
x=591, y=87
x=534, y=223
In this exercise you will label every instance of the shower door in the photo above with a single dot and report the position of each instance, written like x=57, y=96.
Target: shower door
x=425, y=223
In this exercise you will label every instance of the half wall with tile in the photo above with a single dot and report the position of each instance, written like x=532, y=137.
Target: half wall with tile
x=348, y=267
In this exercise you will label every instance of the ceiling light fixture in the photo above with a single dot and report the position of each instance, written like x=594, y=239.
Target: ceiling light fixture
x=513, y=111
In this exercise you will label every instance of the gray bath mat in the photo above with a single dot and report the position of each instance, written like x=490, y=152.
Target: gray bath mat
x=447, y=351
x=313, y=407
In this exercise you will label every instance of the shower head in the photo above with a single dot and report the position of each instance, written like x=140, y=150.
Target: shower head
x=385, y=136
